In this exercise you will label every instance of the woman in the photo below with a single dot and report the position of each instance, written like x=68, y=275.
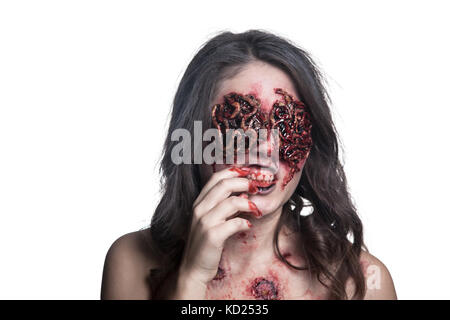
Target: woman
x=219, y=234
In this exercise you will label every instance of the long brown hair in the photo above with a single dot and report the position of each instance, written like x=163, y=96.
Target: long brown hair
x=332, y=236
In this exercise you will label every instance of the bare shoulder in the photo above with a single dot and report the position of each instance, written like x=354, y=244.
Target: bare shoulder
x=127, y=266
x=379, y=283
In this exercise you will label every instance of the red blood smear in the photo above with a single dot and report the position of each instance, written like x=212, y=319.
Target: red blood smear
x=252, y=186
x=243, y=172
x=254, y=209
x=290, y=171
x=289, y=174
x=243, y=235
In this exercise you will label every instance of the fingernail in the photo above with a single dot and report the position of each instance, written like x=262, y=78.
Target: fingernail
x=254, y=209
x=249, y=224
x=243, y=195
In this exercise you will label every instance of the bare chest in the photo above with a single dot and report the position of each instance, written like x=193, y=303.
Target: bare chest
x=273, y=280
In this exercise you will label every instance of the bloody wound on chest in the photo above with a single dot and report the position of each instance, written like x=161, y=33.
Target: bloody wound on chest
x=264, y=289
x=220, y=274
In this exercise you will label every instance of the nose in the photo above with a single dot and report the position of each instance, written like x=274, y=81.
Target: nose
x=265, y=151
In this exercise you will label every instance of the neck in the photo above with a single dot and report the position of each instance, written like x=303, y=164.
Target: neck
x=256, y=245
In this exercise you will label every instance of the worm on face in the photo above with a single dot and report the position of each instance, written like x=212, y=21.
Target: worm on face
x=288, y=115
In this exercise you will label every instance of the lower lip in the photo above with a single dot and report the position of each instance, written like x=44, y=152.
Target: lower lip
x=266, y=190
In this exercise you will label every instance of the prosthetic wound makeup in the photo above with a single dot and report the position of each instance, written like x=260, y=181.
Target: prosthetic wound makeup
x=263, y=289
x=289, y=116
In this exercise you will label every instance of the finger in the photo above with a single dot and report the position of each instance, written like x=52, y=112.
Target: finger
x=226, y=173
x=222, y=190
x=228, y=208
x=220, y=233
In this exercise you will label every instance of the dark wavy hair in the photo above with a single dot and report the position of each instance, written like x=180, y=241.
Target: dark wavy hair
x=332, y=236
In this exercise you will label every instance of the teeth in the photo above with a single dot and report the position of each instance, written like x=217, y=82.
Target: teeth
x=267, y=177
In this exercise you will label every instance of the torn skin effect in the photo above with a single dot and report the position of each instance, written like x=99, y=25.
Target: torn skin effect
x=267, y=287
x=289, y=116
x=271, y=284
x=264, y=289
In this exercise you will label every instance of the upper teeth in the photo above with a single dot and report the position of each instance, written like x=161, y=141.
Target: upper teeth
x=261, y=176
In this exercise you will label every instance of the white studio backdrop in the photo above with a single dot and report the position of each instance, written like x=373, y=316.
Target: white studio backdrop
x=85, y=92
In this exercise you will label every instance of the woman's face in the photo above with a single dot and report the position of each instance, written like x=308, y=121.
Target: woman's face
x=260, y=79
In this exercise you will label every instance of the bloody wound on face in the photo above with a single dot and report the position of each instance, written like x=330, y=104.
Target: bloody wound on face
x=289, y=116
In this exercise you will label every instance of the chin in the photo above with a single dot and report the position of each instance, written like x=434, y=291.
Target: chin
x=266, y=204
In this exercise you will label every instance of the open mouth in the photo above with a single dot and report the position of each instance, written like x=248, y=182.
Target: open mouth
x=262, y=180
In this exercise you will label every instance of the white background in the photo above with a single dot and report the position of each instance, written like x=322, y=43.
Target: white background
x=85, y=92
